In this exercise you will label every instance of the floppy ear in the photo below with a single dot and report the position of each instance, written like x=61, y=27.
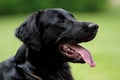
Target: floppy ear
x=28, y=32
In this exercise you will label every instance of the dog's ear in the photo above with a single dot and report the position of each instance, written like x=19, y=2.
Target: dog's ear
x=28, y=32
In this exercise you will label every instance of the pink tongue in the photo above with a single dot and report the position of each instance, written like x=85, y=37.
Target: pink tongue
x=86, y=55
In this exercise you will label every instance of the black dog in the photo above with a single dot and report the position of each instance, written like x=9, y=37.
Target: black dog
x=50, y=40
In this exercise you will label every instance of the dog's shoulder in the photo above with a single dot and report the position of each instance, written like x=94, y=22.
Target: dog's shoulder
x=6, y=64
x=9, y=71
x=7, y=67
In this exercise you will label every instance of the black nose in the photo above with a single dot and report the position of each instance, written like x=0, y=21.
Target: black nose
x=93, y=26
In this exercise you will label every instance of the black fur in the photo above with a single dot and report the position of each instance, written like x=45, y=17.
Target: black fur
x=41, y=34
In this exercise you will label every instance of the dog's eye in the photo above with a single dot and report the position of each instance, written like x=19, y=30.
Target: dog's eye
x=60, y=21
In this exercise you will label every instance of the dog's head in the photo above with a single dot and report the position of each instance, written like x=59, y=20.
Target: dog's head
x=58, y=29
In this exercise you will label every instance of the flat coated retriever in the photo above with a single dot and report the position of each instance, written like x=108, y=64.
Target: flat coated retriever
x=50, y=40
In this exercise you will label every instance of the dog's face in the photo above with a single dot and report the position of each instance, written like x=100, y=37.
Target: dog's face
x=58, y=29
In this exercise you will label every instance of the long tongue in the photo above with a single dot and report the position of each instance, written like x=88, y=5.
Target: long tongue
x=86, y=55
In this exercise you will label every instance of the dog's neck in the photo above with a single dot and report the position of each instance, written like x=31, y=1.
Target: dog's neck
x=43, y=66
x=44, y=58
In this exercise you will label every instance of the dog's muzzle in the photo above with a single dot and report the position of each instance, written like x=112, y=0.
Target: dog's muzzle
x=75, y=51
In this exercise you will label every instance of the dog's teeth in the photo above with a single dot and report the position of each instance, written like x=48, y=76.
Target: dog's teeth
x=68, y=49
x=65, y=46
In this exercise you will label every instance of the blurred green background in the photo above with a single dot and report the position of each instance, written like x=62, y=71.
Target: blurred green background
x=105, y=48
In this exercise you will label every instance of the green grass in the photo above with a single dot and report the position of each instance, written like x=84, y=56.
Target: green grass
x=8, y=43
x=105, y=48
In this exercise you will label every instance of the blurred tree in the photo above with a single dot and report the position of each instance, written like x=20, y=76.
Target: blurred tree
x=25, y=6
x=81, y=5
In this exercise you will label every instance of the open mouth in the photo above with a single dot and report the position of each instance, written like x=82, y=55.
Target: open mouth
x=77, y=52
